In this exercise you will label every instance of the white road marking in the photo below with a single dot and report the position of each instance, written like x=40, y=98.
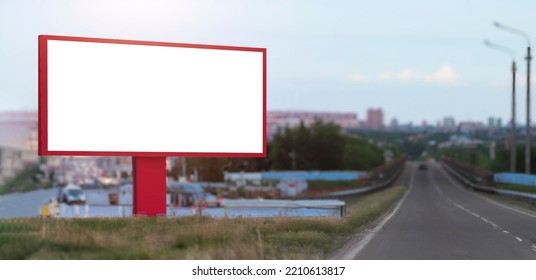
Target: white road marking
x=509, y=208
x=487, y=199
x=369, y=236
x=495, y=226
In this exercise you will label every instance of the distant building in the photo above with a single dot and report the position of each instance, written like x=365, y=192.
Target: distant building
x=406, y=126
x=449, y=124
x=374, y=119
x=18, y=142
x=30, y=146
x=10, y=163
x=470, y=127
x=491, y=123
x=18, y=130
x=89, y=170
x=278, y=120
x=424, y=123
x=494, y=123
x=393, y=124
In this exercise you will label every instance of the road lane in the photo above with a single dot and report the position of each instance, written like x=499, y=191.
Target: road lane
x=519, y=224
x=26, y=204
x=440, y=219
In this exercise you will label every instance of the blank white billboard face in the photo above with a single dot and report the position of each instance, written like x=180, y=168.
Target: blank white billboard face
x=106, y=97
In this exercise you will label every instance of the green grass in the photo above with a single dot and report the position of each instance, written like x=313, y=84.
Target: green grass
x=519, y=188
x=190, y=237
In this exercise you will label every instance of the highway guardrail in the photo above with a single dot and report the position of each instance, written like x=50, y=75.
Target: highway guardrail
x=380, y=178
x=529, y=197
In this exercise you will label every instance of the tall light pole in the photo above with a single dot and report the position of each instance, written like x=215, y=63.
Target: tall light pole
x=513, y=145
x=528, y=140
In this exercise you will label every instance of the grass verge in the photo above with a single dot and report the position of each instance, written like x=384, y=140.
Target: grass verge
x=190, y=237
x=510, y=201
x=518, y=188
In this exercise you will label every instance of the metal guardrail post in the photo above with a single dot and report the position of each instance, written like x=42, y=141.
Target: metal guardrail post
x=343, y=211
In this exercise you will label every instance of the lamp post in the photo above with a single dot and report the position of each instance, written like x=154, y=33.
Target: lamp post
x=528, y=58
x=513, y=146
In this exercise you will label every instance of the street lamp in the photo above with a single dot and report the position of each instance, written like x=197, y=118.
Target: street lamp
x=513, y=146
x=528, y=58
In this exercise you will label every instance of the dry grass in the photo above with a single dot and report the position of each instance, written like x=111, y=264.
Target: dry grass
x=189, y=237
x=519, y=188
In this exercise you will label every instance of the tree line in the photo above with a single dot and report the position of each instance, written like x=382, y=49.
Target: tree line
x=320, y=146
x=480, y=156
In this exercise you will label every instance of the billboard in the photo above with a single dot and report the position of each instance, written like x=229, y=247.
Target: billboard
x=112, y=97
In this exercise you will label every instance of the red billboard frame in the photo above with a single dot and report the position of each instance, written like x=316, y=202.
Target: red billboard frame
x=148, y=168
x=43, y=105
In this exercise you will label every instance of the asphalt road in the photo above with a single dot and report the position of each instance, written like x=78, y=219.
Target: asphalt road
x=27, y=204
x=24, y=204
x=440, y=219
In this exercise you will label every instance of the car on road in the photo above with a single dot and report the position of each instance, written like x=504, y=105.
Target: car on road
x=71, y=194
x=423, y=166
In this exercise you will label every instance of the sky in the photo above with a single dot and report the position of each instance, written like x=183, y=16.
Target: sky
x=416, y=59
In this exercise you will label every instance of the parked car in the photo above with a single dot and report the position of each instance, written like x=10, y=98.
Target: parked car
x=71, y=194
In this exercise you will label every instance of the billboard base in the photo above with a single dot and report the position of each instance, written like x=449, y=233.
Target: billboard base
x=149, y=186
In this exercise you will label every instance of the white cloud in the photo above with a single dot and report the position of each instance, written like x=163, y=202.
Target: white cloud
x=445, y=75
x=407, y=75
x=358, y=77
x=385, y=76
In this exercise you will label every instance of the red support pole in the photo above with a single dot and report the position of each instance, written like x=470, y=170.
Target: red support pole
x=149, y=192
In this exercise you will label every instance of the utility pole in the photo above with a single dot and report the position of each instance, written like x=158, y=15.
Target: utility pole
x=513, y=142
x=528, y=141
x=528, y=132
